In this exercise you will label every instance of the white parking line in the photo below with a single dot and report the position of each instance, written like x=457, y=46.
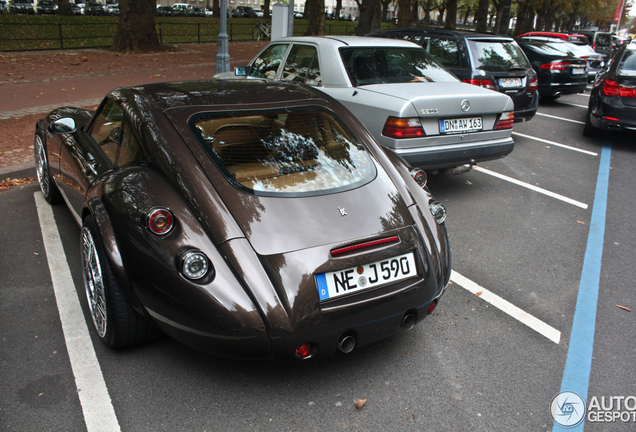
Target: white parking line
x=573, y=104
x=555, y=144
x=522, y=316
x=561, y=118
x=99, y=414
x=531, y=187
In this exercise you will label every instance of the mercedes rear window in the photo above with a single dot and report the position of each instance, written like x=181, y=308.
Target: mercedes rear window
x=383, y=65
x=498, y=55
x=306, y=151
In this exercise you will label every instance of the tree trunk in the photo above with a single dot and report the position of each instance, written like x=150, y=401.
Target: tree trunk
x=64, y=8
x=216, y=8
x=136, y=31
x=370, y=17
x=338, y=9
x=404, y=13
x=481, y=17
x=451, y=15
x=315, y=14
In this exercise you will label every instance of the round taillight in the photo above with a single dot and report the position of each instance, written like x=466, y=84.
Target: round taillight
x=160, y=221
x=303, y=351
x=419, y=176
x=438, y=211
x=194, y=265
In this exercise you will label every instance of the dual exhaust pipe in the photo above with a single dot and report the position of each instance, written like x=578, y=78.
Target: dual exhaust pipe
x=347, y=342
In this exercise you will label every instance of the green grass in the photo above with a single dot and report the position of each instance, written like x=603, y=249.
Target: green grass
x=24, y=33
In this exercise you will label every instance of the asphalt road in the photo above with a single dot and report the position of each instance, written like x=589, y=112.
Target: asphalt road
x=526, y=240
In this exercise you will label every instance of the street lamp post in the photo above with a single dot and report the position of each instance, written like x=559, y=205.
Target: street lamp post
x=223, y=55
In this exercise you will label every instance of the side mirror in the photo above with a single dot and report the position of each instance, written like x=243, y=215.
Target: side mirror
x=241, y=70
x=64, y=125
x=115, y=135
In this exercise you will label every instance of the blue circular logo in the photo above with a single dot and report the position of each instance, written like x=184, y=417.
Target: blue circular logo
x=567, y=409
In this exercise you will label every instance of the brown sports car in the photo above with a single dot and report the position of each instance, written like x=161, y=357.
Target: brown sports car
x=246, y=219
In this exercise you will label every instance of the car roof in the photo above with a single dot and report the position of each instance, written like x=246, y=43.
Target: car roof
x=357, y=41
x=464, y=33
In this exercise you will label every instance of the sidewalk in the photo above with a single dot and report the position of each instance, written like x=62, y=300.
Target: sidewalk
x=39, y=82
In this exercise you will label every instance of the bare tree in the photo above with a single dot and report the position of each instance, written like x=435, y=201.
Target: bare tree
x=136, y=30
x=481, y=17
x=405, y=13
x=315, y=14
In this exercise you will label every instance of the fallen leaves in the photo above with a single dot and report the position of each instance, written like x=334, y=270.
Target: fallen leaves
x=9, y=183
x=360, y=403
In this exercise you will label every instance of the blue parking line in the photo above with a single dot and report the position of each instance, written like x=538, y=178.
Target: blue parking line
x=576, y=375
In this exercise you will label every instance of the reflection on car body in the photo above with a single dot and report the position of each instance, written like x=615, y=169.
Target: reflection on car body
x=219, y=211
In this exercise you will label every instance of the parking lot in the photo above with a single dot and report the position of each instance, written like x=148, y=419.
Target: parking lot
x=541, y=239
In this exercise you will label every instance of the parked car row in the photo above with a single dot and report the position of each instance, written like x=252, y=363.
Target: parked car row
x=182, y=10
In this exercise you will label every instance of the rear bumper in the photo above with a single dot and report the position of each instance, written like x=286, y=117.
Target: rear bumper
x=556, y=89
x=446, y=156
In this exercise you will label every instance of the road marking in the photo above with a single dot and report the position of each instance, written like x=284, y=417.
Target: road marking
x=578, y=364
x=572, y=104
x=531, y=187
x=520, y=315
x=556, y=144
x=99, y=414
x=561, y=118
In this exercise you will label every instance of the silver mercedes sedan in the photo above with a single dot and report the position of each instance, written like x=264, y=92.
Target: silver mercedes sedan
x=408, y=101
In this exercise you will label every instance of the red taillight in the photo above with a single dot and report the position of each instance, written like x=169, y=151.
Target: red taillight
x=419, y=176
x=303, y=351
x=612, y=88
x=611, y=119
x=403, y=128
x=556, y=65
x=364, y=245
x=534, y=84
x=506, y=120
x=485, y=83
x=160, y=221
x=431, y=307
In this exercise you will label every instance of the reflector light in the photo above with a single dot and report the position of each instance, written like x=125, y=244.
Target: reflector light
x=160, y=221
x=506, y=120
x=612, y=88
x=534, y=84
x=303, y=351
x=485, y=83
x=403, y=128
x=364, y=245
x=611, y=119
x=431, y=307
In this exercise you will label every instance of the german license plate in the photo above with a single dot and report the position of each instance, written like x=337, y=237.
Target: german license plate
x=460, y=125
x=338, y=283
x=509, y=82
x=578, y=71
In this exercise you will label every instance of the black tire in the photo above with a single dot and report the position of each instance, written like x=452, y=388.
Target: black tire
x=47, y=185
x=256, y=33
x=589, y=130
x=117, y=323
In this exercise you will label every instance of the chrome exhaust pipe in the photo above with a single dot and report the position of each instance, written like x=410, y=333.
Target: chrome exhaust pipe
x=347, y=344
x=408, y=322
x=459, y=170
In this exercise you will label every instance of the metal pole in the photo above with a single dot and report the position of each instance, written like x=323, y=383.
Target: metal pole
x=223, y=54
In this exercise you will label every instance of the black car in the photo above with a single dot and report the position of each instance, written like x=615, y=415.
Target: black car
x=487, y=60
x=559, y=72
x=46, y=7
x=613, y=99
x=244, y=12
x=165, y=11
x=94, y=8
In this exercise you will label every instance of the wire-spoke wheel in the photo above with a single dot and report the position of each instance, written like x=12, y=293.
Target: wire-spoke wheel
x=49, y=189
x=115, y=320
x=256, y=33
x=94, y=283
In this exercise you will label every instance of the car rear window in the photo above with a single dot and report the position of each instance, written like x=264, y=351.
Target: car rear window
x=284, y=151
x=497, y=55
x=393, y=65
x=628, y=63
